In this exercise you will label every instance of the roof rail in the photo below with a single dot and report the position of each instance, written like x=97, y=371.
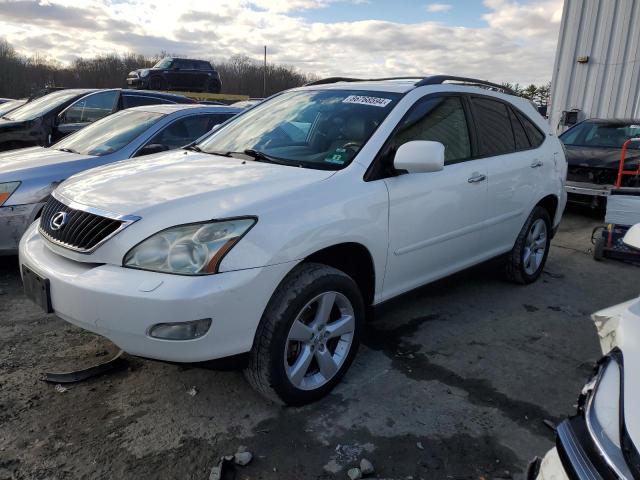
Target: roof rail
x=325, y=81
x=439, y=79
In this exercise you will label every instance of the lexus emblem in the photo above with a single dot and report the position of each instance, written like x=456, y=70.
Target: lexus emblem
x=58, y=221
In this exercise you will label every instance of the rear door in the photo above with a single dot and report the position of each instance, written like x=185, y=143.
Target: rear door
x=435, y=219
x=512, y=171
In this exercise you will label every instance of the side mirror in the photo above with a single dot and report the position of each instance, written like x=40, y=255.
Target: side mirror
x=419, y=156
x=152, y=148
x=632, y=237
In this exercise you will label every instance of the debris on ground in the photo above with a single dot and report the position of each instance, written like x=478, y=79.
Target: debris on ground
x=366, y=467
x=332, y=467
x=116, y=364
x=550, y=424
x=420, y=446
x=243, y=456
x=354, y=474
x=60, y=389
x=224, y=470
x=193, y=391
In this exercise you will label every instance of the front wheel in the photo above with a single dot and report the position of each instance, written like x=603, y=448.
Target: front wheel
x=212, y=86
x=526, y=260
x=308, y=335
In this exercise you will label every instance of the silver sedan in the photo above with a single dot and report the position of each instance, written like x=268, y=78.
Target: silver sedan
x=29, y=175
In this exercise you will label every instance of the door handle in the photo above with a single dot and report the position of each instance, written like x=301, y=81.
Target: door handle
x=478, y=177
x=537, y=163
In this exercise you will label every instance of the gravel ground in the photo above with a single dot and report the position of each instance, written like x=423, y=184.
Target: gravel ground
x=454, y=380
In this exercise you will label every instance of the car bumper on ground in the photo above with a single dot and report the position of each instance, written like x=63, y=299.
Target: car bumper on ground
x=14, y=221
x=122, y=304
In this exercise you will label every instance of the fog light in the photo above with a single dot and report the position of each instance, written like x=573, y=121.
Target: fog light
x=180, y=330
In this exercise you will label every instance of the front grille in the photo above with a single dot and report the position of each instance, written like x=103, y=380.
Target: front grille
x=81, y=231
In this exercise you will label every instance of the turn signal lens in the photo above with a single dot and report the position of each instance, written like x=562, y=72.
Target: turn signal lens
x=6, y=189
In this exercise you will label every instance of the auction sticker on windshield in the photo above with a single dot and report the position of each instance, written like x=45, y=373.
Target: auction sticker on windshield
x=362, y=100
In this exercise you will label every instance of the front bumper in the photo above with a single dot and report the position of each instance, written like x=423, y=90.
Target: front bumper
x=14, y=221
x=136, y=82
x=122, y=304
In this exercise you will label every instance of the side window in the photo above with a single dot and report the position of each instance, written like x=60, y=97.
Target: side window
x=536, y=137
x=495, y=136
x=522, y=142
x=439, y=119
x=186, y=130
x=90, y=108
x=129, y=101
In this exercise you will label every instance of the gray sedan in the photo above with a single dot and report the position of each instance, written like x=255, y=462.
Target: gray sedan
x=29, y=175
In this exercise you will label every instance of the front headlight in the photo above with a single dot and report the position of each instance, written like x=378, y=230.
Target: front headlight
x=144, y=73
x=6, y=189
x=603, y=417
x=193, y=249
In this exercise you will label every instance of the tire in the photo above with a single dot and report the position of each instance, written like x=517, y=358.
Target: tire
x=522, y=267
x=157, y=83
x=598, y=248
x=272, y=361
x=212, y=86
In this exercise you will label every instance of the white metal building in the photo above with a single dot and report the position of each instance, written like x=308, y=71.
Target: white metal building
x=597, y=66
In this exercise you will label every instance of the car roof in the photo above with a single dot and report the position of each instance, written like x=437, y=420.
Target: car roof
x=399, y=86
x=614, y=121
x=177, y=107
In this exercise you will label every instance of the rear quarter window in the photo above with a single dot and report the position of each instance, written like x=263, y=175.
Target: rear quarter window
x=536, y=137
x=129, y=101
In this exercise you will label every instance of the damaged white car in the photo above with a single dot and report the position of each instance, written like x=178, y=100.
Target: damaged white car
x=602, y=441
x=272, y=236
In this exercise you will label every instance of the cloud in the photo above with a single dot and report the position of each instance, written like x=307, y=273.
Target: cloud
x=516, y=44
x=439, y=7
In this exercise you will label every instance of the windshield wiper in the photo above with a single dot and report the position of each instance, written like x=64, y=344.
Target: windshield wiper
x=195, y=148
x=259, y=156
x=68, y=150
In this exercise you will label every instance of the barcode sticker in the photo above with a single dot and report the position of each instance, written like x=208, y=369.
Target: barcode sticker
x=372, y=101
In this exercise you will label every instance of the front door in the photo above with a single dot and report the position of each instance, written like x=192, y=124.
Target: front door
x=435, y=219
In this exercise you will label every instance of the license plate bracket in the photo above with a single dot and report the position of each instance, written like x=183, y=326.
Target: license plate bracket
x=37, y=289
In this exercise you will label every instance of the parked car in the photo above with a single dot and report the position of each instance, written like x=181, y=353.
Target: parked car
x=6, y=107
x=593, y=152
x=29, y=175
x=602, y=441
x=177, y=74
x=49, y=118
x=272, y=235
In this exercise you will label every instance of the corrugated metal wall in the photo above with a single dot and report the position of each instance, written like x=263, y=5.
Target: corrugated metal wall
x=608, y=86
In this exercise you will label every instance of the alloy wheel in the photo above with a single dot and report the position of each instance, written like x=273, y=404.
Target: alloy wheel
x=319, y=340
x=535, y=246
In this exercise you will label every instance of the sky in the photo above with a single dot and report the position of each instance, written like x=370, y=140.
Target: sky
x=497, y=40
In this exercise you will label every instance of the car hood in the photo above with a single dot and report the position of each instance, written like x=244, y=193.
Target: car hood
x=619, y=326
x=595, y=157
x=184, y=186
x=28, y=159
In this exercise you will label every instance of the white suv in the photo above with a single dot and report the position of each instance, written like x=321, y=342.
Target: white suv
x=274, y=234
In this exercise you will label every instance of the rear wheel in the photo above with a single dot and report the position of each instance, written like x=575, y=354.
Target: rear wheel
x=598, y=248
x=212, y=86
x=526, y=260
x=308, y=335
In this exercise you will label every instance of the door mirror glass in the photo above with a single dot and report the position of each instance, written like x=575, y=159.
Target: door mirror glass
x=419, y=156
x=632, y=237
x=152, y=148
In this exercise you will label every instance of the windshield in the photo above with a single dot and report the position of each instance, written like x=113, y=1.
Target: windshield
x=164, y=63
x=321, y=129
x=38, y=107
x=11, y=105
x=109, y=134
x=606, y=135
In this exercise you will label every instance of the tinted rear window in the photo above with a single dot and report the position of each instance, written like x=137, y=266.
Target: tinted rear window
x=129, y=101
x=522, y=142
x=495, y=136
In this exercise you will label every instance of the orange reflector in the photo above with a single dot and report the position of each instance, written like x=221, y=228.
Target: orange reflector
x=4, y=196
